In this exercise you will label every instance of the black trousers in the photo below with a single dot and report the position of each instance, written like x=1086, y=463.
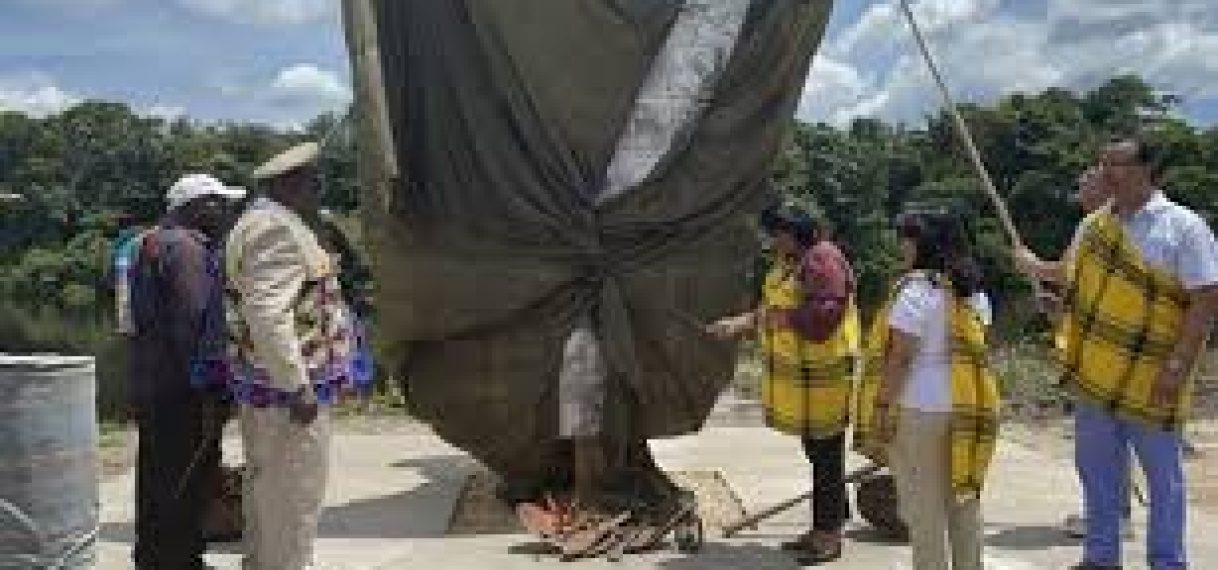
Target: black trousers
x=170, y=494
x=830, y=498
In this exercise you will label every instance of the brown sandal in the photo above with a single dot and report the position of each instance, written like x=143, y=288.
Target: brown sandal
x=590, y=535
x=538, y=520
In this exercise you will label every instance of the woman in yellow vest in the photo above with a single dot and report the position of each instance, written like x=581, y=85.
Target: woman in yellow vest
x=928, y=403
x=808, y=330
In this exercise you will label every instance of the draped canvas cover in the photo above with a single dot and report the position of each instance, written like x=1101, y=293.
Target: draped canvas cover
x=487, y=129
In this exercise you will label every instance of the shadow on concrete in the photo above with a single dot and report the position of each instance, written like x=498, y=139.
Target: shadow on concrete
x=1030, y=537
x=723, y=555
x=423, y=511
x=538, y=550
x=870, y=535
x=117, y=533
x=124, y=533
x=853, y=533
x=420, y=512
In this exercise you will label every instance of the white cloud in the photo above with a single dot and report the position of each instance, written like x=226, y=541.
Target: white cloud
x=73, y=6
x=35, y=94
x=265, y=12
x=295, y=94
x=987, y=49
x=882, y=26
x=167, y=112
x=833, y=89
x=309, y=85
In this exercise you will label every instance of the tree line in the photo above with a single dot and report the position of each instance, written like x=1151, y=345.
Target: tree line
x=68, y=182
x=1035, y=147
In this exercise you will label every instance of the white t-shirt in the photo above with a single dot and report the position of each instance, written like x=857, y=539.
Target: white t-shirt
x=1171, y=238
x=920, y=310
x=1176, y=240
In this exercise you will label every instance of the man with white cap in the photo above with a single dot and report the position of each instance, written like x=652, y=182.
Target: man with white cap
x=170, y=286
x=294, y=345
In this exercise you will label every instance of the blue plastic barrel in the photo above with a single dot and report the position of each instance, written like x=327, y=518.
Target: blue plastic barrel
x=48, y=462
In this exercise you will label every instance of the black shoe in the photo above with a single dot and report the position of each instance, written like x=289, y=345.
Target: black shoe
x=200, y=565
x=822, y=549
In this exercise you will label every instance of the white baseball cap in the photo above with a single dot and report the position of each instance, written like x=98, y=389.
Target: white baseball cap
x=194, y=186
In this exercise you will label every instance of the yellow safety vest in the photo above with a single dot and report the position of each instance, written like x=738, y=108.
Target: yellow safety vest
x=1121, y=323
x=975, y=396
x=807, y=385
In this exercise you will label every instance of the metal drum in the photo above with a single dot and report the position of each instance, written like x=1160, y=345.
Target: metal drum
x=48, y=462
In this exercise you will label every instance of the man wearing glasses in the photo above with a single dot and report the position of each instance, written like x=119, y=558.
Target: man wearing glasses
x=1142, y=291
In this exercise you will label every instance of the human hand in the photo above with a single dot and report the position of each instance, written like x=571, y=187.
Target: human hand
x=303, y=409
x=728, y=328
x=875, y=445
x=1027, y=262
x=1165, y=393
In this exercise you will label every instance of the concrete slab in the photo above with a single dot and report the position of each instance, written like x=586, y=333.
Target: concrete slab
x=391, y=497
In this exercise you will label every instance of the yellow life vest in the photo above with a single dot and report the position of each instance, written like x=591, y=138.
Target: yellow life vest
x=1121, y=323
x=975, y=395
x=807, y=385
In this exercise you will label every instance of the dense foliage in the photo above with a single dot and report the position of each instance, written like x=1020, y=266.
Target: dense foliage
x=82, y=171
x=1035, y=146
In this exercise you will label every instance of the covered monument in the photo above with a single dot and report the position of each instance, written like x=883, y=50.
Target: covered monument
x=558, y=196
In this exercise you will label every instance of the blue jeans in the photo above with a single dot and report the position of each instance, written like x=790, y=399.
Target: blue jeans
x=1101, y=452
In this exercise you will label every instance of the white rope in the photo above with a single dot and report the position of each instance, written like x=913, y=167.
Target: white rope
x=962, y=130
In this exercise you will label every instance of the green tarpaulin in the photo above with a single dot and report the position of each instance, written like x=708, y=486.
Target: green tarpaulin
x=485, y=127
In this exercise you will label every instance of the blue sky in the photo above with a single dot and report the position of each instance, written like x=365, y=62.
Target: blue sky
x=283, y=61
x=206, y=58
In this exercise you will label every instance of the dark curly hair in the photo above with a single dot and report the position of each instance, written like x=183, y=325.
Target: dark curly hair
x=793, y=220
x=943, y=245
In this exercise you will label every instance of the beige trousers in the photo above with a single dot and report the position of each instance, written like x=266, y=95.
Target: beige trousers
x=287, y=465
x=941, y=528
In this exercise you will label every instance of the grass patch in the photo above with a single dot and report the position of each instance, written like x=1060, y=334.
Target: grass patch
x=1029, y=380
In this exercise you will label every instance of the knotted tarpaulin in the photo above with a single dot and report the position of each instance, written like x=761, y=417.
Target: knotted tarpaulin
x=487, y=126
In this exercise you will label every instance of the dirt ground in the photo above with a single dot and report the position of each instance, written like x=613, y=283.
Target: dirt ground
x=1203, y=467
x=1054, y=437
